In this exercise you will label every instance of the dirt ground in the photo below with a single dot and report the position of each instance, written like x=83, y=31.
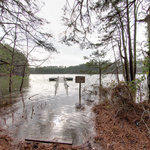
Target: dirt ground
x=118, y=129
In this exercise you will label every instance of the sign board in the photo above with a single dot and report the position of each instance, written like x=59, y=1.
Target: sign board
x=80, y=79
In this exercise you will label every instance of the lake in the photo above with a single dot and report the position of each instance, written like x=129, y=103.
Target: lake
x=46, y=111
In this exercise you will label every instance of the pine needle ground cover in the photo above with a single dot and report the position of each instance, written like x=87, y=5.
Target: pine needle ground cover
x=118, y=129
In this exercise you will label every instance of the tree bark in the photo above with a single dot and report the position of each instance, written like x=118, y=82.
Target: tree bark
x=12, y=62
x=23, y=76
x=25, y=65
x=12, y=56
x=121, y=59
x=100, y=75
x=100, y=80
x=148, y=77
x=135, y=37
x=125, y=54
x=117, y=72
x=126, y=67
x=129, y=42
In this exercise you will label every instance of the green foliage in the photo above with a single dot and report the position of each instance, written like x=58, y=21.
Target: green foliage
x=6, y=58
x=87, y=68
x=60, y=70
x=146, y=66
x=135, y=84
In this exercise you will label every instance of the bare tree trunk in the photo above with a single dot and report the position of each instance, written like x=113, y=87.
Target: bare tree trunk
x=124, y=45
x=125, y=51
x=100, y=81
x=120, y=53
x=12, y=56
x=125, y=58
x=25, y=65
x=135, y=34
x=117, y=73
x=12, y=62
x=148, y=77
x=100, y=75
x=129, y=43
x=23, y=76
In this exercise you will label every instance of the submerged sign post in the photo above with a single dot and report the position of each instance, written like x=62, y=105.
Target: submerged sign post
x=80, y=79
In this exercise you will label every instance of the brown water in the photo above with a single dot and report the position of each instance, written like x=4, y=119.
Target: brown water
x=46, y=110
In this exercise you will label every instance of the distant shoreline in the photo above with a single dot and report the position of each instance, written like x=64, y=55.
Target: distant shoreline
x=75, y=73
x=81, y=73
x=4, y=74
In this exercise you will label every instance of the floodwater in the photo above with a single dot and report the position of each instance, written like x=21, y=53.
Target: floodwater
x=46, y=110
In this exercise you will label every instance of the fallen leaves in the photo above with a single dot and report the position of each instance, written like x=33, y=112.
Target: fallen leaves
x=120, y=132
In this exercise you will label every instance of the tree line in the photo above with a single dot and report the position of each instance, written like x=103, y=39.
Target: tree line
x=80, y=69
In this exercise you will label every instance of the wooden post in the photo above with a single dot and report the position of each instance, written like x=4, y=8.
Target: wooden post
x=80, y=79
x=79, y=93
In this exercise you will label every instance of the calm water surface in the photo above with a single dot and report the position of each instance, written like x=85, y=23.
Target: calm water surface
x=47, y=112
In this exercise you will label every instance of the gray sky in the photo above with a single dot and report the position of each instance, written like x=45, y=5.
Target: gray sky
x=68, y=55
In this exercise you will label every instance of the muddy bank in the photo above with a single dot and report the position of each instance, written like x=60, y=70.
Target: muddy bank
x=122, y=130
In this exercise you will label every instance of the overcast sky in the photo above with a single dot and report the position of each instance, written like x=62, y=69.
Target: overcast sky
x=68, y=55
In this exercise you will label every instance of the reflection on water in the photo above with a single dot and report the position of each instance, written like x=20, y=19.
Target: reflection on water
x=56, y=85
x=5, y=97
x=46, y=110
x=60, y=80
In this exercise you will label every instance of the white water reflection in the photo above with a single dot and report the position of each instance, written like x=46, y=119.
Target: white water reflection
x=49, y=114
